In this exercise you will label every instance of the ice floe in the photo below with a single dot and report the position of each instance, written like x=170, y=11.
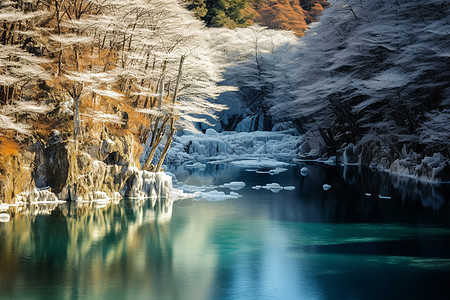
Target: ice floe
x=4, y=217
x=326, y=187
x=304, y=171
x=234, y=185
x=3, y=207
x=275, y=171
x=215, y=195
x=196, y=165
x=259, y=163
x=274, y=187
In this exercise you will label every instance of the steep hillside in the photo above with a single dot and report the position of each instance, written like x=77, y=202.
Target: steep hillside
x=375, y=74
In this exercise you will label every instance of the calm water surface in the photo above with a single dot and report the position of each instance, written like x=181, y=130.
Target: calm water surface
x=301, y=244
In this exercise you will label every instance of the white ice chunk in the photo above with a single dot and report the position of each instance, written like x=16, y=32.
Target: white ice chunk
x=326, y=187
x=304, y=171
x=3, y=206
x=368, y=194
x=256, y=187
x=4, y=217
x=384, y=197
x=234, y=185
x=273, y=187
x=277, y=171
x=218, y=196
x=289, y=188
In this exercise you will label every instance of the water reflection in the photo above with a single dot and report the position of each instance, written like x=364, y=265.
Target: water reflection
x=305, y=243
x=69, y=248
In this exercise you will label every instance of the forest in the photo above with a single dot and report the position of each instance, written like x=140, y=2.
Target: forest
x=224, y=149
x=292, y=15
x=371, y=77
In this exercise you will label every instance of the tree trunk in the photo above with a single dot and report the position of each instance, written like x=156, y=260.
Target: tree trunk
x=167, y=145
x=172, y=120
x=158, y=139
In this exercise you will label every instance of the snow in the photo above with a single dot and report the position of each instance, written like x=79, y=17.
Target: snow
x=326, y=187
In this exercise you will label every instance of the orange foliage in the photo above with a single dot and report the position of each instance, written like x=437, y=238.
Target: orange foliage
x=287, y=14
x=8, y=147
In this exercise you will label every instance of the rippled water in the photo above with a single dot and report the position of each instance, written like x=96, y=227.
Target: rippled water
x=302, y=244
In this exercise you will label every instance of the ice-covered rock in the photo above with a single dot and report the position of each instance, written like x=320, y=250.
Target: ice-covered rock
x=433, y=168
x=331, y=161
x=326, y=187
x=251, y=123
x=238, y=146
x=37, y=195
x=143, y=184
x=211, y=132
x=350, y=155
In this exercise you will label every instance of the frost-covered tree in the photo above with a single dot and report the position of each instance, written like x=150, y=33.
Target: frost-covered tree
x=252, y=54
x=369, y=72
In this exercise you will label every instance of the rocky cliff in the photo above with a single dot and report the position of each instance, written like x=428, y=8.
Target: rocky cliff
x=99, y=167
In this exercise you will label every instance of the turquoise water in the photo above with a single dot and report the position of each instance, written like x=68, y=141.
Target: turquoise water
x=301, y=244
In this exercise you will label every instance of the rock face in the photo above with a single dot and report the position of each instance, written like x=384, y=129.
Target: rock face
x=103, y=168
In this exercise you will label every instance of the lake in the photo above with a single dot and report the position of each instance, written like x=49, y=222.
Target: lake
x=370, y=236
